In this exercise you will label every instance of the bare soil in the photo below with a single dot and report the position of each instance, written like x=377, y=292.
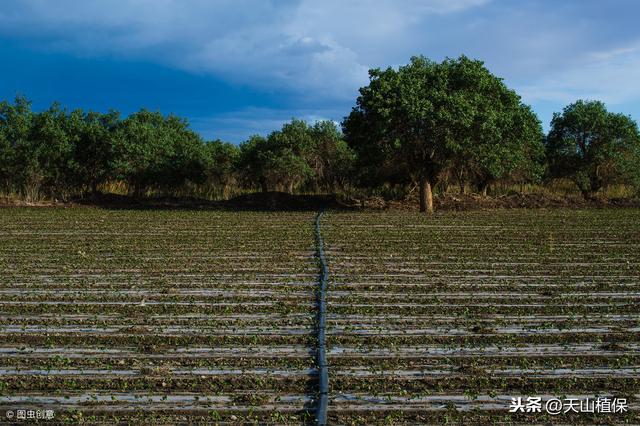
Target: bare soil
x=467, y=202
x=281, y=201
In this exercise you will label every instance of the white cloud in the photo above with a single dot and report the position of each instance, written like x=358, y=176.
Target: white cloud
x=319, y=51
x=609, y=75
x=303, y=45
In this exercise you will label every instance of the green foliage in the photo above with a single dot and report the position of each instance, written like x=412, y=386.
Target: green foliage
x=297, y=155
x=19, y=167
x=51, y=148
x=594, y=147
x=57, y=154
x=94, y=134
x=250, y=161
x=53, y=153
x=424, y=122
x=285, y=159
x=508, y=145
x=222, y=163
x=153, y=151
x=427, y=119
x=370, y=128
x=331, y=158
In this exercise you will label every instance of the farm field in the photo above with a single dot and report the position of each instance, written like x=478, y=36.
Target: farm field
x=447, y=318
x=158, y=316
x=206, y=316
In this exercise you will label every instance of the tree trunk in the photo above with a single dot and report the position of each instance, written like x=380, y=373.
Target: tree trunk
x=426, y=195
x=423, y=194
x=595, y=186
x=588, y=193
x=263, y=185
x=484, y=187
x=137, y=190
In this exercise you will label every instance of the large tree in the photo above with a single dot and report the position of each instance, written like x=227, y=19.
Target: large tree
x=279, y=161
x=93, y=135
x=52, y=144
x=393, y=126
x=153, y=151
x=425, y=117
x=593, y=147
x=20, y=168
x=505, y=142
x=222, y=163
x=329, y=157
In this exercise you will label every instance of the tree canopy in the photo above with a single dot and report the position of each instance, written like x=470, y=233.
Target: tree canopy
x=426, y=124
x=428, y=118
x=594, y=147
x=297, y=156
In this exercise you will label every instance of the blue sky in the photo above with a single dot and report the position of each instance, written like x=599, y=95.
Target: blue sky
x=239, y=67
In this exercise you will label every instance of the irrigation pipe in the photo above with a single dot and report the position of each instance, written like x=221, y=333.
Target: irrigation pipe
x=321, y=354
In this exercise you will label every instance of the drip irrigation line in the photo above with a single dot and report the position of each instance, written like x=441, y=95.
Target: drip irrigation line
x=321, y=354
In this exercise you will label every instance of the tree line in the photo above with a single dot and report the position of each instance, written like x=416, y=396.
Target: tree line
x=426, y=123
x=61, y=154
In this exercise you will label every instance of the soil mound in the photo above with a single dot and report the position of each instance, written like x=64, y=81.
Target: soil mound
x=281, y=201
x=466, y=202
x=259, y=201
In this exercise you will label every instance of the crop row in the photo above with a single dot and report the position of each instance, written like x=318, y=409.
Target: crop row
x=445, y=318
x=166, y=316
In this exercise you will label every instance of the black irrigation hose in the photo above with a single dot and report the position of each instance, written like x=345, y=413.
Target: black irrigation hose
x=321, y=354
